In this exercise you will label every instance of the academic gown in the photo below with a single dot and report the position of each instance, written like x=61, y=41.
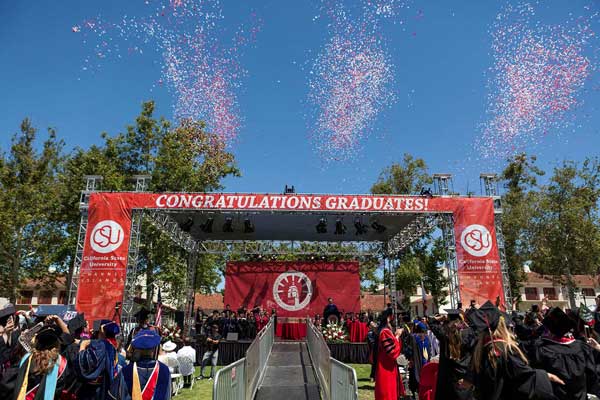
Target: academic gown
x=450, y=371
x=512, y=379
x=388, y=385
x=7, y=350
x=121, y=387
x=573, y=362
x=36, y=382
x=97, y=366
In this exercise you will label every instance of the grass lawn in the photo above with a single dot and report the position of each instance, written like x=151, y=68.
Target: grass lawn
x=366, y=388
x=203, y=389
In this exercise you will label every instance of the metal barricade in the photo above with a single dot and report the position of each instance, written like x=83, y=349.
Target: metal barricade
x=239, y=381
x=343, y=381
x=230, y=382
x=337, y=380
x=256, y=358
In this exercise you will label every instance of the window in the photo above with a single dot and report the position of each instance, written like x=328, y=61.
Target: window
x=550, y=293
x=45, y=297
x=588, y=292
x=531, y=293
x=25, y=297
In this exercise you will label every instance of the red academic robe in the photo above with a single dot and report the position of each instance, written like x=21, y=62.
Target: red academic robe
x=388, y=385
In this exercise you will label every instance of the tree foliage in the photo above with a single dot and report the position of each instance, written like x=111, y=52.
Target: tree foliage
x=565, y=228
x=29, y=233
x=183, y=158
x=422, y=262
x=519, y=202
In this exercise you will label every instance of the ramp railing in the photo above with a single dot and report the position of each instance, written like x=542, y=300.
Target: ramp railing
x=336, y=379
x=240, y=380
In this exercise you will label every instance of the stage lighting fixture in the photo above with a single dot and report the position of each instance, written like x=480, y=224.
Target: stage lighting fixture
x=289, y=189
x=187, y=225
x=248, y=226
x=322, y=226
x=361, y=228
x=378, y=227
x=228, y=225
x=206, y=227
x=340, y=228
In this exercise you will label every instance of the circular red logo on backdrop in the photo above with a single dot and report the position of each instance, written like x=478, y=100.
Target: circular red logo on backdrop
x=292, y=291
x=106, y=236
x=476, y=240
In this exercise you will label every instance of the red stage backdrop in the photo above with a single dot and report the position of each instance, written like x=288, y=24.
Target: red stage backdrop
x=102, y=274
x=294, y=289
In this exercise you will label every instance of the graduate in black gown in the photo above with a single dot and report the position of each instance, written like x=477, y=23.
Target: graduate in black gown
x=502, y=371
x=559, y=353
x=43, y=373
x=456, y=345
x=9, y=336
x=144, y=377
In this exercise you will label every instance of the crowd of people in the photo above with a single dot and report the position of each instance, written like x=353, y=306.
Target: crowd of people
x=483, y=353
x=46, y=357
x=245, y=324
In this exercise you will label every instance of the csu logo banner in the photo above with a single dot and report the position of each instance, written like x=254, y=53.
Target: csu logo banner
x=476, y=240
x=295, y=289
x=107, y=236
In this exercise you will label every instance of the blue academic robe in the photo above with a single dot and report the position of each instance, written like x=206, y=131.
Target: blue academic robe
x=96, y=366
x=123, y=384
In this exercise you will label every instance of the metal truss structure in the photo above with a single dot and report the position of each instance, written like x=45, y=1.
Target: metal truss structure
x=490, y=185
x=416, y=229
x=92, y=184
x=163, y=222
x=283, y=247
x=131, y=279
x=444, y=187
x=389, y=251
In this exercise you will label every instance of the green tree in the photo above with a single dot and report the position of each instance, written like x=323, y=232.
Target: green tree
x=565, y=230
x=184, y=157
x=519, y=203
x=409, y=177
x=422, y=261
x=28, y=197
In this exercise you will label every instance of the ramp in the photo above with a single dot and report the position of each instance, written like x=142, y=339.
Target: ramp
x=289, y=374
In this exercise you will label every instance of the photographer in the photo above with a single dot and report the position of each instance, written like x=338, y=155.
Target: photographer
x=44, y=373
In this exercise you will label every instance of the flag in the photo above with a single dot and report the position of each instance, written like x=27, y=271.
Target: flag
x=158, y=320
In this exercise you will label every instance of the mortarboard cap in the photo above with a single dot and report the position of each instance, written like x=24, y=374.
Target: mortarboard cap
x=47, y=338
x=6, y=312
x=146, y=339
x=558, y=322
x=142, y=314
x=76, y=323
x=110, y=328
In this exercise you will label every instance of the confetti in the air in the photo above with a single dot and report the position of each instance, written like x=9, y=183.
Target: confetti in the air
x=199, y=58
x=352, y=78
x=537, y=79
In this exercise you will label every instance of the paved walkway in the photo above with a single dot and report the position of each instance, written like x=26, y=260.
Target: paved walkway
x=289, y=374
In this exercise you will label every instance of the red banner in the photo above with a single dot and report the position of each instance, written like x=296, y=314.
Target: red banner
x=102, y=277
x=294, y=289
x=479, y=273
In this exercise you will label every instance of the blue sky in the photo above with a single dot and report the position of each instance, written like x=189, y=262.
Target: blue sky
x=440, y=62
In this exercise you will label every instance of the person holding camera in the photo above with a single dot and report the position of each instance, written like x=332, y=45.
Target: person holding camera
x=44, y=373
